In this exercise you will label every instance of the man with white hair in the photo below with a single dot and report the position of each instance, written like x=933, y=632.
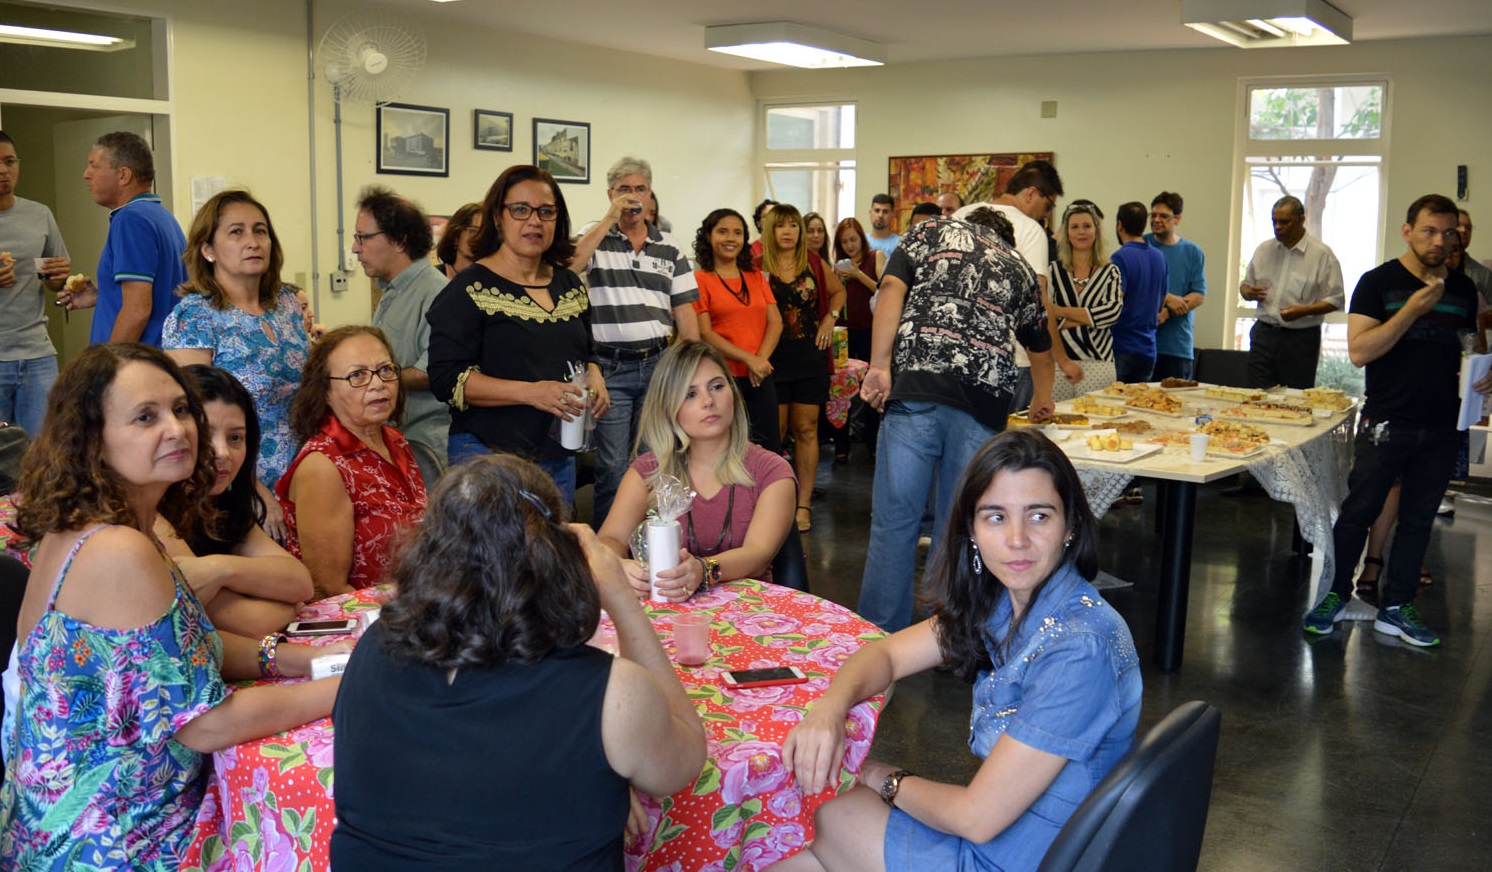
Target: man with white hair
x=641, y=291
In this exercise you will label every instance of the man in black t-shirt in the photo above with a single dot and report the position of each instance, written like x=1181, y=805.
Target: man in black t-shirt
x=1405, y=327
x=943, y=370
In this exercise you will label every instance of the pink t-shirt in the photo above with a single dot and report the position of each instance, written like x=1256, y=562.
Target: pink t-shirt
x=708, y=515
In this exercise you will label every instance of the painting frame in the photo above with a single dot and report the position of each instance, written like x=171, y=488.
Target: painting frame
x=488, y=128
x=979, y=177
x=566, y=157
x=400, y=147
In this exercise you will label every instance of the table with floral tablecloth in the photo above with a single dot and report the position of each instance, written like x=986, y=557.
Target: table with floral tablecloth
x=844, y=387
x=269, y=804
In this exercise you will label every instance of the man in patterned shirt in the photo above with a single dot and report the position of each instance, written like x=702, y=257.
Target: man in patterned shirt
x=641, y=289
x=943, y=371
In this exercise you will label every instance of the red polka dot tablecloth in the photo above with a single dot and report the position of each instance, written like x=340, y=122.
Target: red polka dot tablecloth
x=844, y=386
x=269, y=804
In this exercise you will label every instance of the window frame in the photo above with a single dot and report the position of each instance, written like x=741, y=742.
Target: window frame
x=805, y=159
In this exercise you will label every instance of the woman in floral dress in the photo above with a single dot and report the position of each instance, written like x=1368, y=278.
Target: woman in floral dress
x=237, y=315
x=121, y=673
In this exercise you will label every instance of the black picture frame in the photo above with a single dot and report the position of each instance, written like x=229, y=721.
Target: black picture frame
x=564, y=149
x=413, y=140
x=491, y=131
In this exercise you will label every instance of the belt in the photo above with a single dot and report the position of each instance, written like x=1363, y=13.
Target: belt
x=1283, y=329
x=636, y=354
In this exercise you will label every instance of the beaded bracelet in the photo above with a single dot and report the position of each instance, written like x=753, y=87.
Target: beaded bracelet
x=268, y=646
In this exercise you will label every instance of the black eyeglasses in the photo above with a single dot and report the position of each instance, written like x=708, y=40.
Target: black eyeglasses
x=521, y=211
x=361, y=378
x=360, y=238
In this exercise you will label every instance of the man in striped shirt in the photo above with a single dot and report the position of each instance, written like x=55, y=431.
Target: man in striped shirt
x=641, y=287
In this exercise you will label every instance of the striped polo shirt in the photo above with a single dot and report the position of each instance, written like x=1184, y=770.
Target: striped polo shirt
x=633, y=293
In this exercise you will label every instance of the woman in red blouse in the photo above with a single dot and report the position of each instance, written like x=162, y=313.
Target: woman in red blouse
x=355, y=485
x=859, y=266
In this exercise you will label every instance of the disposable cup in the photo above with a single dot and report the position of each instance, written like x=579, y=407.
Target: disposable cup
x=1199, y=447
x=663, y=551
x=572, y=432
x=691, y=638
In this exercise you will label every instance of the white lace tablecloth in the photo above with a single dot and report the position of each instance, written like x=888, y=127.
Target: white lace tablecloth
x=1308, y=469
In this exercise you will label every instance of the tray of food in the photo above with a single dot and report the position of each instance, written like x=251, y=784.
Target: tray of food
x=1172, y=438
x=1094, y=408
x=1171, y=383
x=1271, y=413
x=1130, y=426
x=1109, y=447
x=1236, y=395
x=1330, y=399
x=1157, y=402
x=1062, y=420
x=1121, y=389
x=1235, y=447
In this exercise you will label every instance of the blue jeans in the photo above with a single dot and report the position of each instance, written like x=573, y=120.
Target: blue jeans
x=626, y=382
x=24, y=385
x=1171, y=366
x=920, y=444
x=1422, y=459
x=464, y=446
x=1131, y=368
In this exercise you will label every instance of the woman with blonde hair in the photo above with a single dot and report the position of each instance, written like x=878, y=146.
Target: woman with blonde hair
x=808, y=296
x=695, y=421
x=1086, y=299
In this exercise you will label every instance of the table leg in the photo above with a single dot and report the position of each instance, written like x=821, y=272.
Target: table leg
x=1180, y=505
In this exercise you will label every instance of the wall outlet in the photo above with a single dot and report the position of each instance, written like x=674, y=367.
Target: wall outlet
x=339, y=282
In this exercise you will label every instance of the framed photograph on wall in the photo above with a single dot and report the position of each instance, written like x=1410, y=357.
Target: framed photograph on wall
x=564, y=149
x=492, y=131
x=413, y=140
x=974, y=177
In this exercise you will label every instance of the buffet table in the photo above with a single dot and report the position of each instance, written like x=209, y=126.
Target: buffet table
x=270, y=802
x=1305, y=466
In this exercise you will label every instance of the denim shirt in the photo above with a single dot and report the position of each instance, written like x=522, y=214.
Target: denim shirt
x=1069, y=685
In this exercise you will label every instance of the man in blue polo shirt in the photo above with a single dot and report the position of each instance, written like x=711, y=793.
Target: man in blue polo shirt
x=1186, y=268
x=141, y=266
x=1144, y=279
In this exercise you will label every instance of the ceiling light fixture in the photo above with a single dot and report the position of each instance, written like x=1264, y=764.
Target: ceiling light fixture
x=14, y=33
x=1268, y=23
x=794, y=45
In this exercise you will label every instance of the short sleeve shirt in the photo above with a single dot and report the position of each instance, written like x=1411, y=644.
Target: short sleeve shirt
x=401, y=316
x=144, y=245
x=742, y=324
x=633, y=293
x=27, y=231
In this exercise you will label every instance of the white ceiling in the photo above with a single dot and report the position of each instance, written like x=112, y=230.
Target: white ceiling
x=917, y=30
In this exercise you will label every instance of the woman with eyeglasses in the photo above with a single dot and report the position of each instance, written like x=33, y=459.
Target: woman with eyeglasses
x=355, y=485
x=454, y=248
x=1086, y=299
x=506, y=331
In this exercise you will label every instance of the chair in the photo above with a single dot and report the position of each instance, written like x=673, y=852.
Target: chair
x=1222, y=366
x=1149, y=812
x=790, y=567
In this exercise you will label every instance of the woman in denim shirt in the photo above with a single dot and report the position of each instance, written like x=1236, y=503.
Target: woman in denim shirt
x=1056, y=682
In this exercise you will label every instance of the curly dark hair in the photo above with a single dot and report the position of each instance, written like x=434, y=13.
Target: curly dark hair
x=704, y=252
x=400, y=220
x=65, y=483
x=962, y=601
x=241, y=506
x=493, y=575
x=450, y=238
x=310, y=408
x=201, y=277
x=490, y=237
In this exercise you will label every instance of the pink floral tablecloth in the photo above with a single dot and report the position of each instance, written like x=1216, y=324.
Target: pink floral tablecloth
x=844, y=386
x=269, y=804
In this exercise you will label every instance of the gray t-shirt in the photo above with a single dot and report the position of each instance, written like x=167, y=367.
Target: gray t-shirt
x=27, y=231
x=401, y=316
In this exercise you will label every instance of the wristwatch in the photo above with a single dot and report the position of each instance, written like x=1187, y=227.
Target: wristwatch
x=892, y=785
x=709, y=573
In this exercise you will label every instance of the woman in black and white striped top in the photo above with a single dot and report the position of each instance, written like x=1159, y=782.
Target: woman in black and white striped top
x=1086, y=299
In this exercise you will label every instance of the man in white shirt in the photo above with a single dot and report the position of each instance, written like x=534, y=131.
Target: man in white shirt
x=1295, y=280
x=1029, y=198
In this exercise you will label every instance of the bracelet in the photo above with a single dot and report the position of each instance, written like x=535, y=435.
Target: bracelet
x=268, y=647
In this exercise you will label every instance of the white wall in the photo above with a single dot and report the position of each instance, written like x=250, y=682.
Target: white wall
x=1135, y=123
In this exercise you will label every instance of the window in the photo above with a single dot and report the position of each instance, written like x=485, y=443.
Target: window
x=810, y=158
x=1325, y=143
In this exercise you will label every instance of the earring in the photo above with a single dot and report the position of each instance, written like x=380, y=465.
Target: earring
x=211, y=260
x=978, y=564
x=1066, y=543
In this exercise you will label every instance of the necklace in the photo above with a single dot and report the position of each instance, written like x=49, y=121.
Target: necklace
x=743, y=296
x=724, y=541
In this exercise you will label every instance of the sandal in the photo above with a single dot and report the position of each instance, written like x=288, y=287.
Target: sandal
x=805, y=524
x=1367, y=588
x=1425, y=578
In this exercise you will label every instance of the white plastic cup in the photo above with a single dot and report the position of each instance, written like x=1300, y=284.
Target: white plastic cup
x=1199, y=447
x=572, y=432
x=663, y=551
x=41, y=267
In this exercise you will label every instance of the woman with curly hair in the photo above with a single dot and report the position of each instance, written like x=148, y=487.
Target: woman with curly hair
x=539, y=734
x=1009, y=581
x=738, y=317
x=120, y=672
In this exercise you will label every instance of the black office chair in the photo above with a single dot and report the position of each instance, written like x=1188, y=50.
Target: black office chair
x=790, y=567
x=1222, y=366
x=1149, y=812
x=13, y=575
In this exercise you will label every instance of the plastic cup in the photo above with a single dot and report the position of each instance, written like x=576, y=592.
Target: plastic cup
x=1199, y=447
x=41, y=266
x=572, y=432
x=691, y=639
x=663, y=551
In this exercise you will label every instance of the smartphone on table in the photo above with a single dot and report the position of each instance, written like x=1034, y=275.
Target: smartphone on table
x=337, y=627
x=764, y=677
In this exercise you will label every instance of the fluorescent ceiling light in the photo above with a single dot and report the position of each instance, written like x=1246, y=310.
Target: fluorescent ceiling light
x=794, y=45
x=62, y=38
x=1268, y=23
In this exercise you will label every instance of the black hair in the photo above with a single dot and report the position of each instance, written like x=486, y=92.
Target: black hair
x=883, y=200
x=704, y=253
x=242, y=507
x=1169, y=199
x=399, y=219
x=929, y=209
x=1131, y=216
x=761, y=208
x=1038, y=174
x=1435, y=204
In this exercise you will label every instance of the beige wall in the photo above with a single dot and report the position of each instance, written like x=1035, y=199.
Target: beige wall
x=1132, y=124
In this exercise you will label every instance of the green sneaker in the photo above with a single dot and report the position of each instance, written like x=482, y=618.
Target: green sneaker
x=1325, y=615
x=1403, y=621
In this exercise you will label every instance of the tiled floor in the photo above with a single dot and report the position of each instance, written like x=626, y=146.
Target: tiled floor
x=1352, y=752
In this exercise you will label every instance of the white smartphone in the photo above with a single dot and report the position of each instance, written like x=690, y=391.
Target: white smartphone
x=765, y=677
x=339, y=627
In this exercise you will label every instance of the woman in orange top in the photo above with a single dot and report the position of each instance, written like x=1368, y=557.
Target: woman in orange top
x=738, y=316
